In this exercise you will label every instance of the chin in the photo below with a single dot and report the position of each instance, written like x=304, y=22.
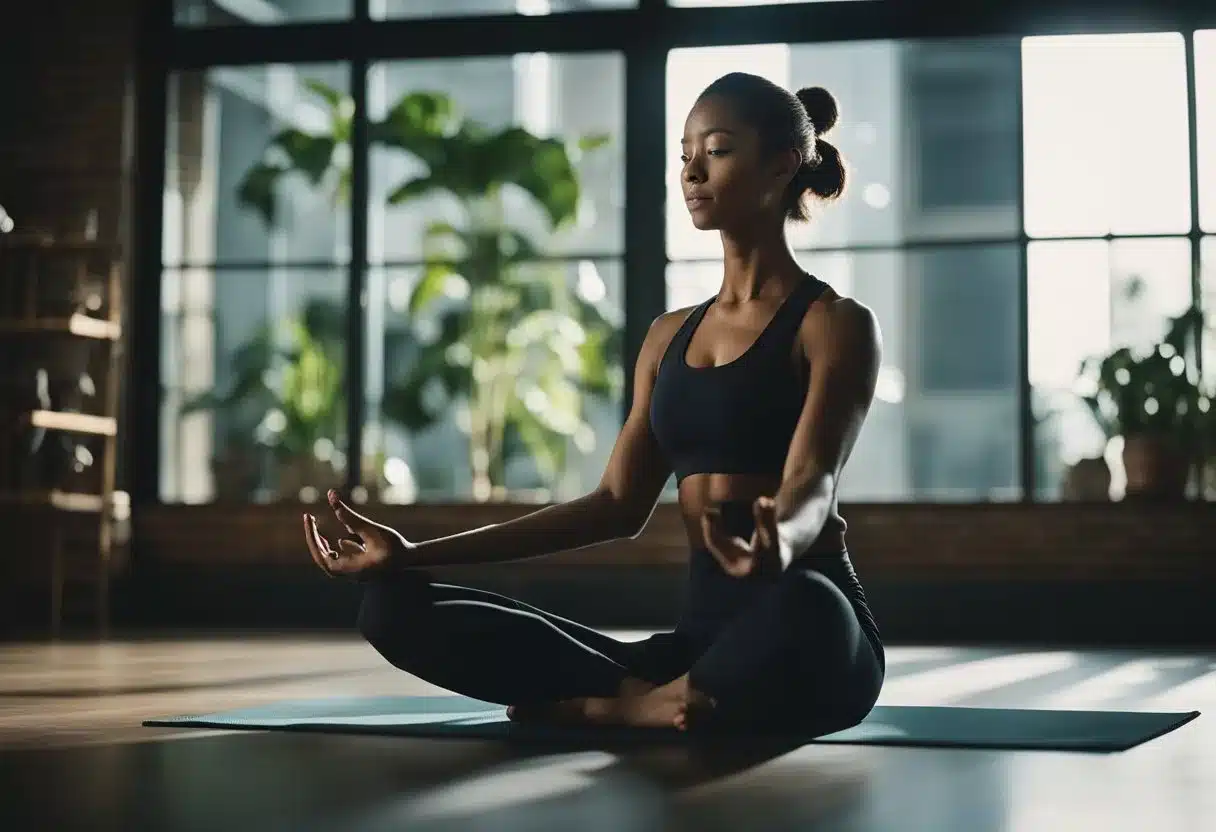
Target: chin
x=704, y=222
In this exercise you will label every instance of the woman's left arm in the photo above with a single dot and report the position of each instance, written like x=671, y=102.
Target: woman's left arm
x=845, y=355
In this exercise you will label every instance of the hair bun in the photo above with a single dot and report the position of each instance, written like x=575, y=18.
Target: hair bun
x=820, y=105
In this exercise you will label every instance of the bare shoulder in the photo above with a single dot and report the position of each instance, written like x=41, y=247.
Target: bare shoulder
x=841, y=328
x=664, y=327
x=662, y=330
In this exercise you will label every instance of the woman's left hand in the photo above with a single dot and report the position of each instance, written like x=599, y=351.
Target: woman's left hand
x=738, y=557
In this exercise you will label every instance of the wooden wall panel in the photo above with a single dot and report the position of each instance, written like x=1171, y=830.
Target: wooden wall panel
x=914, y=541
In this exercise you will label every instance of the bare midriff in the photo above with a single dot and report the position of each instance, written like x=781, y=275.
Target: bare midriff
x=699, y=492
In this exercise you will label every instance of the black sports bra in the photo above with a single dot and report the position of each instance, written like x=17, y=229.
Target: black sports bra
x=736, y=418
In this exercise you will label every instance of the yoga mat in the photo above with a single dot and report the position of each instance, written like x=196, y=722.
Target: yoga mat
x=460, y=717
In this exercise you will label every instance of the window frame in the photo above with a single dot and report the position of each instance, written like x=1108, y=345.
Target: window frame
x=643, y=35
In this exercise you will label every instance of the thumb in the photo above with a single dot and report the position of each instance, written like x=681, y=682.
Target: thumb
x=762, y=512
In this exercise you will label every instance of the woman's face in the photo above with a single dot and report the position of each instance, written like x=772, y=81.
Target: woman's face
x=727, y=182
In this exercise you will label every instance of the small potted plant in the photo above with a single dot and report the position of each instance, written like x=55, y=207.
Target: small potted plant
x=1152, y=399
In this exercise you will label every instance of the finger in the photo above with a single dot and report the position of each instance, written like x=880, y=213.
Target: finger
x=729, y=552
x=346, y=515
x=764, y=514
x=317, y=547
x=350, y=547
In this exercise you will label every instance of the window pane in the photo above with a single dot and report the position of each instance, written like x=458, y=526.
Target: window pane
x=257, y=12
x=1086, y=299
x=253, y=366
x=700, y=4
x=944, y=425
x=525, y=147
x=257, y=165
x=507, y=389
x=1205, y=108
x=1105, y=126
x=1207, y=282
x=914, y=117
x=386, y=9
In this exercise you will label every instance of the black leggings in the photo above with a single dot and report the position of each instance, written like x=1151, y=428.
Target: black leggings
x=796, y=656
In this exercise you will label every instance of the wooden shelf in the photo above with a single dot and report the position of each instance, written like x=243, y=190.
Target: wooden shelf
x=82, y=326
x=74, y=243
x=55, y=499
x=28, y=260
x=72, y=422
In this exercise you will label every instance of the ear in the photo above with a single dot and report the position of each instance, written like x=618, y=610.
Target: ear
x=787, y=164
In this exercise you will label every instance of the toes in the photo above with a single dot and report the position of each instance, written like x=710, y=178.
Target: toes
x=680, y=718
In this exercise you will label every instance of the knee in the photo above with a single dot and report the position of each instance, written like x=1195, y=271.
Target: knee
x=386, y=611
x=375, y=612
x=811, y=595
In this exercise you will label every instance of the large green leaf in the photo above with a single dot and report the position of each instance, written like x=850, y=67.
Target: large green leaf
x=310, y=155
x=414, y=188
x=325, y=320
x=430, y=287
x=257, y=190
x=419, y=124
x=541, y=167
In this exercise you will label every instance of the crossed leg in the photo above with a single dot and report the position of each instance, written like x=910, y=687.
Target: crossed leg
x=796, y=656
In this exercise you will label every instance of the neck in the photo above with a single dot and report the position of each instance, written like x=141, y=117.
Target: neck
x=757, y=262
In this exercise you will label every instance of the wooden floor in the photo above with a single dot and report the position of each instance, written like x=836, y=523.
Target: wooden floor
x=73, y=756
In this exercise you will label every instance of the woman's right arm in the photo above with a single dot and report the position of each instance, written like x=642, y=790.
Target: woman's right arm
x=617, y=508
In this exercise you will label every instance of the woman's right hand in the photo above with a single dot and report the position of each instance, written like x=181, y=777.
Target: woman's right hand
x=370, y=546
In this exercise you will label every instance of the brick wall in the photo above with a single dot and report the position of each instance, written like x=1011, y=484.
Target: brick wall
x=67, y=67
x=1059, y=542
x=1114, y=574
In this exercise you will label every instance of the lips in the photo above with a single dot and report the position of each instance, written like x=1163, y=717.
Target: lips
x=695, y=200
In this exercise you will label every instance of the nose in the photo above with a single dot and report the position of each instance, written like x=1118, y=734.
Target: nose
x=694, y=171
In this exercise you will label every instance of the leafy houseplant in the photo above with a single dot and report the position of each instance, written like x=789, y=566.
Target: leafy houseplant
x=1154, y=401
x=515, y=345
x=284, y=401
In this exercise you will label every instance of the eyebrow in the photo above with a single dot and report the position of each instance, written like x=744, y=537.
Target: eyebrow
x=705, y=134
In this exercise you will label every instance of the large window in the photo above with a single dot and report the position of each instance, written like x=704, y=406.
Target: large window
x=258, y=12
x=493, y=273
x=909, y=240
x=381, y=9
x=1205, y=109
x=253, y=294
x=495, y=242
x=418, y=268
x=1087, y=177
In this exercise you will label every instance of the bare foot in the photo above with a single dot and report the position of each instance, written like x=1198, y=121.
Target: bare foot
x=673, y=705
x=583, y=709
x=638, y=704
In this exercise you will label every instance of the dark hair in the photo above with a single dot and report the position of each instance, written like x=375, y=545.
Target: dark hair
x=786, y=120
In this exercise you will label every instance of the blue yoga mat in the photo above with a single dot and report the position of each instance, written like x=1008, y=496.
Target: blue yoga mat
x=460, y=717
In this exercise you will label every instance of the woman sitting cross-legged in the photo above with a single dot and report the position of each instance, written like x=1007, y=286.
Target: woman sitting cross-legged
x=754, y=400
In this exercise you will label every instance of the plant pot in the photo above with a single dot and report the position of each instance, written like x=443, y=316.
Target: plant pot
x=1088, y=481
x=1157, y=468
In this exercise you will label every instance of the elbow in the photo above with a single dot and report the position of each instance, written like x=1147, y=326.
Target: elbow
x=622, y=518
x=813, y=490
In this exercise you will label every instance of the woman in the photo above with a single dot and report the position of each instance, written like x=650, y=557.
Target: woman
x=753, y=399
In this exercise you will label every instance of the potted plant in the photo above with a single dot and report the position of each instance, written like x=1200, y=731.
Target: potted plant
x=516, y=345
x=284, y=408
x=1152, y=399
